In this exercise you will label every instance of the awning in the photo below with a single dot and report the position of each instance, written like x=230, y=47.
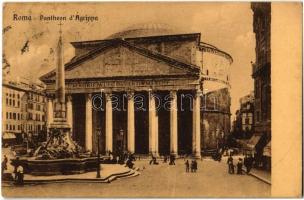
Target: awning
x=253, y=141
x=267, y=150
x=8, y=135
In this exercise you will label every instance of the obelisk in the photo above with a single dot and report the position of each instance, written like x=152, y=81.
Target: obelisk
x=60, y=121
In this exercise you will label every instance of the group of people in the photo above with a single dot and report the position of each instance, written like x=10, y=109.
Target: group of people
x=248, y=163
x=18, y=170
x=171, y=159
x=193, y=166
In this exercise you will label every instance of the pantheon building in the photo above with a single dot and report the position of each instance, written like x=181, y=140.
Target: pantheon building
x=147, y=89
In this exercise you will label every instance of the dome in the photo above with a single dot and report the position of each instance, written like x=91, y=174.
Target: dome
x=145, y=30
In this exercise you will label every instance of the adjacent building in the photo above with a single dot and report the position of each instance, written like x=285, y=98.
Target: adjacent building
x=150, y=89
x=261, y=73
x=243, y=123
x=23, y=108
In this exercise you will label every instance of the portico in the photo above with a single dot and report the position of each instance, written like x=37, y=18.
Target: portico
x=144, y=102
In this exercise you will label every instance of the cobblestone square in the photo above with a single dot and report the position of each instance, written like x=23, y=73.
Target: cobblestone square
x=163, y=180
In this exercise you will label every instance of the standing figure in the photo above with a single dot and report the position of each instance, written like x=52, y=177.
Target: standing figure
x=246, y=163
x=187, y=166
x=250, y=163
x=165, y=159
x=239, y=166
x=172, y=160
x=4, y=165
x=152, y=160
x=230, y=165
x=194, y=165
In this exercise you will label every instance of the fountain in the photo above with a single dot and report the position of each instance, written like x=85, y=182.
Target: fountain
x=60, y=154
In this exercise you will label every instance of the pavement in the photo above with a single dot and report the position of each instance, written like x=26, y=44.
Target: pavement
x=163, y=180
x=260, y=174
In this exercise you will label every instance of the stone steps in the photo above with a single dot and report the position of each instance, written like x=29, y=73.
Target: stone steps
x=109, y=179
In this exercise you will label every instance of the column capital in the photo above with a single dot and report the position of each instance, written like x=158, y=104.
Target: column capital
x=130, y=95
x=152, y=93
x=108, y=96
x=69, y=97
x=173, y=94
x=198, y=93
x=88, y=96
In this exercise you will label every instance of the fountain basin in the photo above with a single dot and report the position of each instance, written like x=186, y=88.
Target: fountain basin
x=57, y=166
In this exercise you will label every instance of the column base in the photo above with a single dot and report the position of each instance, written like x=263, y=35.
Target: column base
x=154, y=153
x=196, y=155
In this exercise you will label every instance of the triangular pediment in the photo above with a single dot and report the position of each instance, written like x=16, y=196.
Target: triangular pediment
x=121, y=60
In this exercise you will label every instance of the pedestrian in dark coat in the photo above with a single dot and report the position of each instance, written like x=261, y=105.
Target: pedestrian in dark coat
x=230, y=165
x=194, y=165
x=187, y=166
x=172, y=160
x=165, y=158
x=239, y=166
x=4, y=165
x=250, y=164
x=246, y=163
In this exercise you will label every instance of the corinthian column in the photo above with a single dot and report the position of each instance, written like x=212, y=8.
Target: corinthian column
x=173, y=123
x=131, y=123
x=196, y=128
x=153, y=126
x=88, y=123
x=109, y=123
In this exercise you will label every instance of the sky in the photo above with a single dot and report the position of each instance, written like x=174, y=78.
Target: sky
x=227, y=26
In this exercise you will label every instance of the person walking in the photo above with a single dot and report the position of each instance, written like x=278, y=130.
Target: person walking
x=246, y=163
x=194, y=165
x=230, y=165
x=187, y=165
x=20, y=175
x=152, y=160
x=165, y=158
x=250, y=163
x=239, y=166
x=4, y=165
x=172, y=160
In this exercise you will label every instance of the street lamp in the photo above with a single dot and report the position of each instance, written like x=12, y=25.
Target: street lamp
x=98, y=153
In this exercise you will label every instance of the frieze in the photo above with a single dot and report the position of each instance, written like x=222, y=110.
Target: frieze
x=126, y=85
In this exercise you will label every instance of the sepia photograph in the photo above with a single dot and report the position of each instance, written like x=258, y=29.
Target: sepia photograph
x=140, y=99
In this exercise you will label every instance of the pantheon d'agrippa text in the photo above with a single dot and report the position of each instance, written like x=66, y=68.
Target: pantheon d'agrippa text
x=147, y=89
